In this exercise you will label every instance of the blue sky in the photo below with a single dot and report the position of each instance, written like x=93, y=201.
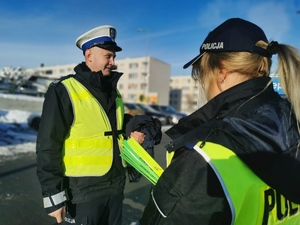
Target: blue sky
x=35, y=32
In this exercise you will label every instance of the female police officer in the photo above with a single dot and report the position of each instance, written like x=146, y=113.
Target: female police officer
x=235, y=159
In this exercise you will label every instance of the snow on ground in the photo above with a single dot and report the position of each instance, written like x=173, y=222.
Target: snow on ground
x=21, y=97
x=15, y=134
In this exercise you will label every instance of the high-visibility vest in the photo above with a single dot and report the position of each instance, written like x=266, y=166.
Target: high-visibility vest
x=252, y=202
x=88, y=148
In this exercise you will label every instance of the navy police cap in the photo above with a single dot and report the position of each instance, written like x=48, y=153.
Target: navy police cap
x=234, y=35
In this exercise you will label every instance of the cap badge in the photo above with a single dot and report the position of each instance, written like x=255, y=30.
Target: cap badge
x=112, y=33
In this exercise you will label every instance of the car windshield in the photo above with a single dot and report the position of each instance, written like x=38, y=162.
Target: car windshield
x=146, y=108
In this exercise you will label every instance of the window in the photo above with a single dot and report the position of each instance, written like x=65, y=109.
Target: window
x=143, y=86
x=133, y=65
x=48, y=72
x=144, y=65
x=131, y=96
x=132, y=75
x=132, y=86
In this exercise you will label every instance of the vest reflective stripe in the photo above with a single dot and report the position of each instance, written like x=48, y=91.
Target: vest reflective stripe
x=252, y=202
x=169, y=157
x=120, y=114
x=120, y=110
x=55, y=199
x=87, y=151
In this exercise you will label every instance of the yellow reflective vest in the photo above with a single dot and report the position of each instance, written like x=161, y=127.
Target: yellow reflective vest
x=88, y=148
x=252, y=202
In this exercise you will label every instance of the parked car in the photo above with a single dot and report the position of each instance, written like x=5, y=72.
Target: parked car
x=154, y=113
x=133, y=109
x=5, y=87
x=173, y=116
x=28, y=89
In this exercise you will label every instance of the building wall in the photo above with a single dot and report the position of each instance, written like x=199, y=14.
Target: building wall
x=144, y=79
x=159, y=80
x=53, y=72
x=175, y=99
x=185, y=94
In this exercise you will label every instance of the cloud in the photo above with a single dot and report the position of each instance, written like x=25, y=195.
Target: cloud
x=272, y=17
x=218, y=11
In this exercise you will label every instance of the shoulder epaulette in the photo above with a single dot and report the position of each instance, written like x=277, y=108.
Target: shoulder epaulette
x=57, y=81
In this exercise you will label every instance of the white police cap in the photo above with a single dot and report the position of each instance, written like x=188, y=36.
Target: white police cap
x=103, y=37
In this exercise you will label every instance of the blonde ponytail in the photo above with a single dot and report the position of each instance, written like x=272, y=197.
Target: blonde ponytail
x=288, y=71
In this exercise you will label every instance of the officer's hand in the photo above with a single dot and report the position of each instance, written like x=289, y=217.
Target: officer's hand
x=138, y=136
x=59, y=214
x=133, y=174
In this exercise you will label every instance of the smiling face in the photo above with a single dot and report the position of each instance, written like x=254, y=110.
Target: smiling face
x=100, y=59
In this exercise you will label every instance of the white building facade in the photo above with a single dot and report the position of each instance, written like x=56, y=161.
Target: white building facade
x=144, y=79
x=52, y=72
x=185, y=94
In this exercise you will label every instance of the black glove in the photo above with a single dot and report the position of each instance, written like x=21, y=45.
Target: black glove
x=133, y=174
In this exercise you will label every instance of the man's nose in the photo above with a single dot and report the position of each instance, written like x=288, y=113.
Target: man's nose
x=112, y=61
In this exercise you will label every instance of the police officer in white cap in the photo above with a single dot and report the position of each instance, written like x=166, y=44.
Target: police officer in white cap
x=78, y=144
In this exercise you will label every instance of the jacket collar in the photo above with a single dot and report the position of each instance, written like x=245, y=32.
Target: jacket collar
x=96, y=79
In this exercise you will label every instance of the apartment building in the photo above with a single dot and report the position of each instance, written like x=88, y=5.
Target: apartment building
x=144, y=79
x=51, y=72
x=185, y=94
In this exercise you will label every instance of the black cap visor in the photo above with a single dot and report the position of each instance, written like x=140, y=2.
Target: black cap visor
x=108, y=45
x=193, y=60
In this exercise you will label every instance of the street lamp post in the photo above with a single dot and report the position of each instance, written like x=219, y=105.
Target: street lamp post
x=146, y=63
x=147, y=39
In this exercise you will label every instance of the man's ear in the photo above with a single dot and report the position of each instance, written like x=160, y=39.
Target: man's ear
x=88, y=54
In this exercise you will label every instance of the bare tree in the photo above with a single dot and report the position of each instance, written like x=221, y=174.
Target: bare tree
x=15, y=77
